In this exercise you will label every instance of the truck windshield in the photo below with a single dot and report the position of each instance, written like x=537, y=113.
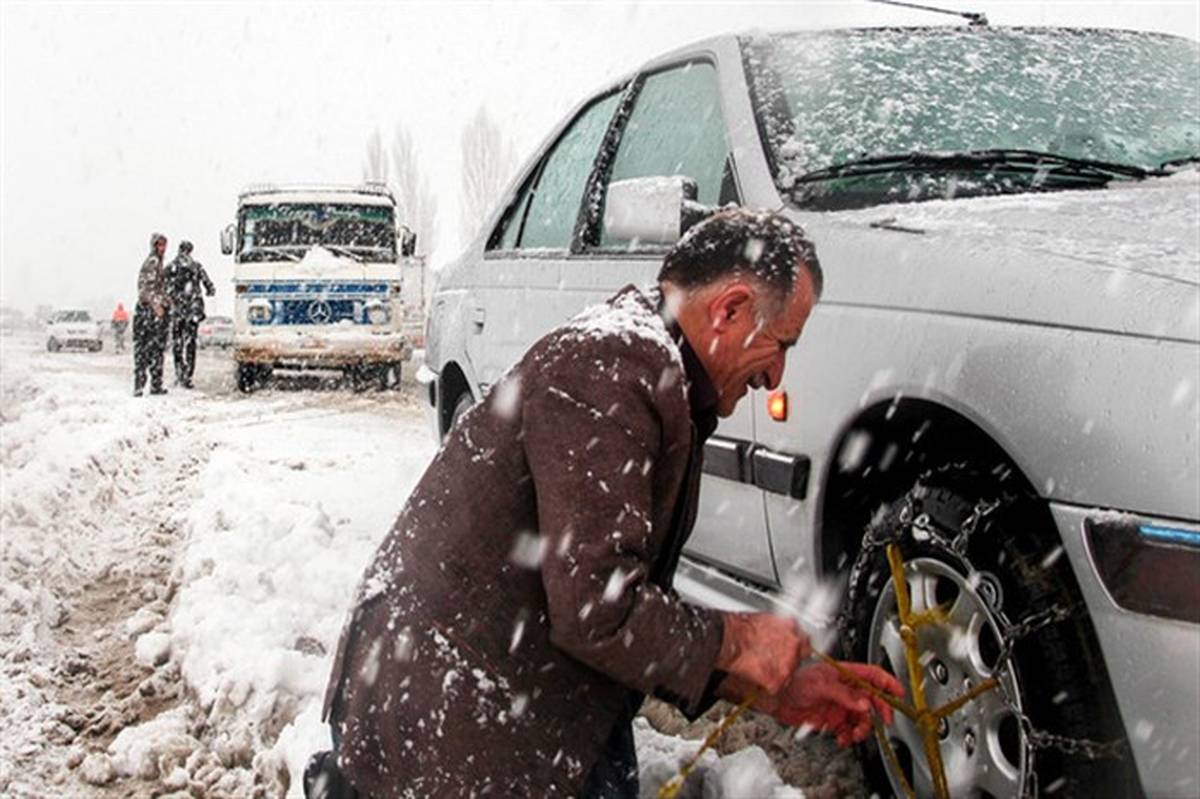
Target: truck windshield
x=285, y=231
x=861, y=117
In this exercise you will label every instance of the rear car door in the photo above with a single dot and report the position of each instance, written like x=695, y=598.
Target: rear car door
x=518, y=291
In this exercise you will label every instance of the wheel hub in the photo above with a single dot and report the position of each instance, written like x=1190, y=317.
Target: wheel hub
x=962, y=738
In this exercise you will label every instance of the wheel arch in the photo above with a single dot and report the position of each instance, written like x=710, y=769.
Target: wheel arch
x=452, y=383
x=881, y=452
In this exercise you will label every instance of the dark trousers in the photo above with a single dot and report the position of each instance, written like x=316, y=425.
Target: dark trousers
x=183, y=347
x=149, y=341
x=614, y=775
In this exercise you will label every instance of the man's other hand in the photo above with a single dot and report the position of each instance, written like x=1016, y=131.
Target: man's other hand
x=762, y=649
x=817, y=696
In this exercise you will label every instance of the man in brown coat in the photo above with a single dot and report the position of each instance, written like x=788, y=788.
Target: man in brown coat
x=521, y=607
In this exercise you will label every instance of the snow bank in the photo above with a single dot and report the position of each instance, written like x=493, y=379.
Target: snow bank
x=290, y=513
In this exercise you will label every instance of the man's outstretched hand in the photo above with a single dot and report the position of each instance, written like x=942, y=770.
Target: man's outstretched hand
x=761, y=651
x=819, y=697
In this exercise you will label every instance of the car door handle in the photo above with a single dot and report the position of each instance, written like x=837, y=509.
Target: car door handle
x=479, y=317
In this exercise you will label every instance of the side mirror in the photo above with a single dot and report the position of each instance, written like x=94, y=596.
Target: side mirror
x=407, y=239
x=227, y=237
x=653, y=210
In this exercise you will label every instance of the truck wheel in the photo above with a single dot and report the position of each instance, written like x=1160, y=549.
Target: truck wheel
x=389, y=376
x=984, y=550
x=248, y=376
x=359, y=375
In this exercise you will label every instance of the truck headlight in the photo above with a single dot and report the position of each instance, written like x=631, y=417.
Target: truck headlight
x=259, y=312
x=378, y=313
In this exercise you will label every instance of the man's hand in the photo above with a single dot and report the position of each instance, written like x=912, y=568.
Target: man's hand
x=818, y=697
x=762, y=650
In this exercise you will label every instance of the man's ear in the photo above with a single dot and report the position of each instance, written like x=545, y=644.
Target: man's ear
x=730, y=305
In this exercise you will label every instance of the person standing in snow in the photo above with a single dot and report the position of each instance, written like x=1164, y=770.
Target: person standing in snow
x=185, y=276
x=521, y=608
x=120, y=324
x=150, y=320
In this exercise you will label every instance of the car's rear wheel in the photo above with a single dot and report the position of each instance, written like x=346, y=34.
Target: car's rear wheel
x=986, y=553
x=461, y=406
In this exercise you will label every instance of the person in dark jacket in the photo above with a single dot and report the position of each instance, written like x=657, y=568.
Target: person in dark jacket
x=150, y=320
x=521, y=607
x=185, y=277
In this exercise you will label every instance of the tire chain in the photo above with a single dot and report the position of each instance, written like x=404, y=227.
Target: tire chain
x=1035, y=740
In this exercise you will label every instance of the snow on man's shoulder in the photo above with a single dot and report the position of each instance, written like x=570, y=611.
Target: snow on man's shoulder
x=631, y=317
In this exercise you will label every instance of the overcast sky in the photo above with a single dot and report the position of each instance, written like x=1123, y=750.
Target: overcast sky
x=119, y=119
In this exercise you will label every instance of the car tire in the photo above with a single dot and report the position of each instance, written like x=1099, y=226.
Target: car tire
x=462, y=404
x=52, y=345
x=1005, y=569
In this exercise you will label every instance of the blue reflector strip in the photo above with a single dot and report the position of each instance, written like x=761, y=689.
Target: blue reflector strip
x=1172, y=535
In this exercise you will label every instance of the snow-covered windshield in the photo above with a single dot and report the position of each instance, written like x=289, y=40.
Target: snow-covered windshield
x=72, y=316
x=831, y=98
x=284, y=231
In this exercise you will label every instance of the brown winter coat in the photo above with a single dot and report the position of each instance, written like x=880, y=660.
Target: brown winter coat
x=525, y=586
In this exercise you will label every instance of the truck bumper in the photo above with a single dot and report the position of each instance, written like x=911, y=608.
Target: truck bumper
x=1154, y=666
x=315, y=351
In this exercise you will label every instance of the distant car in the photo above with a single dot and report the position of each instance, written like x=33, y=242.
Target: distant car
x=216, y=331
x=72, y=328
x=1000, y=377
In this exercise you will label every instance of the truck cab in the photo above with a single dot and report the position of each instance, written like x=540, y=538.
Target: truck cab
x=317, y=273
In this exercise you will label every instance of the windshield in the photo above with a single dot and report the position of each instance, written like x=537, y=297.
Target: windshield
x=830, y=98
x=285, y=231
x=72, y=316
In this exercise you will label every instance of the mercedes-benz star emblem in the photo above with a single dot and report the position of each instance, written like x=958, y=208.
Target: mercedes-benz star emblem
x=319, y=312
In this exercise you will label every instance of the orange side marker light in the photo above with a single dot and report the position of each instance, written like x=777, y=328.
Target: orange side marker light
x=777, y=405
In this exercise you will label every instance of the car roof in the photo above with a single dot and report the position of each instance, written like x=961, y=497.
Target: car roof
x=726, y=39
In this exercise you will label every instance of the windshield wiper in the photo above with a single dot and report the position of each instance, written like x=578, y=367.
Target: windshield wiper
x=337, y=249
x=1033, y=162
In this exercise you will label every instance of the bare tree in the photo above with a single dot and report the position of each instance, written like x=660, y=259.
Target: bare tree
x=416, y=204
x=488, y=161
x=375, y=167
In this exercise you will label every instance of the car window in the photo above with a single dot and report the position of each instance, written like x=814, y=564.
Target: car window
x=676, y=128
x=544, y=216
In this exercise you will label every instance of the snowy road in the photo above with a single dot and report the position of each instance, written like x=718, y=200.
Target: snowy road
x=174, y=572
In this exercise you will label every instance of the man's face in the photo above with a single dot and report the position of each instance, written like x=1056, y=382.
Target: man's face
x=160, y=246
x=751, y=338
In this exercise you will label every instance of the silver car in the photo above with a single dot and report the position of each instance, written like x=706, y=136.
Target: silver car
x=215, y=331
x=996, y=397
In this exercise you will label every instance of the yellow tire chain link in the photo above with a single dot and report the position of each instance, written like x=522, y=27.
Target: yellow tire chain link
x=925, y=718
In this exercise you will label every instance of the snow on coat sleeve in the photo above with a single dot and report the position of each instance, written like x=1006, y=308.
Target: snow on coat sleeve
x=590, y=430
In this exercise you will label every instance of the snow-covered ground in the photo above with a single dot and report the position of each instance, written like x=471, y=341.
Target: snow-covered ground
x=174, y=573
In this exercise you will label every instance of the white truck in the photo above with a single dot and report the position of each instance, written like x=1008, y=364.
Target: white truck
x=317, y=273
